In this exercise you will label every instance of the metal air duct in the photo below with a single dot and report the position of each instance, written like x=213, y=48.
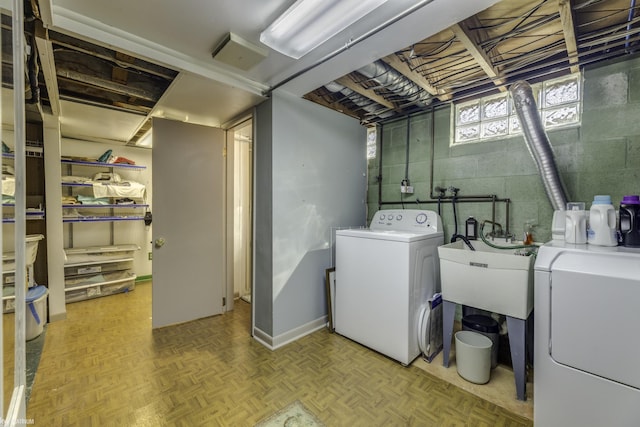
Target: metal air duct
x=538, y=143
x=393, y=81
x=361, y=101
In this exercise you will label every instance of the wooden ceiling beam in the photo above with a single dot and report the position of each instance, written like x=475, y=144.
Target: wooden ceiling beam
x=336, y=106
x=348, y=82
x=45, y=53
x=403, y=68
x=467, y=39
x=569, y=30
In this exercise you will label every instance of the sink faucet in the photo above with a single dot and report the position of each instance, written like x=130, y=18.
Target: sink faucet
x=464, y=239
x=496, y=233
x=494, y=224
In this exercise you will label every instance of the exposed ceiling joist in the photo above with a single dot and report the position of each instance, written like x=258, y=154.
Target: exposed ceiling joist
x=348, y=82
x=402, y=67
x=313, y=96
x=146, y=94
x=510, y=40
x=47, y=63
x=569, y=30
x=467, y=39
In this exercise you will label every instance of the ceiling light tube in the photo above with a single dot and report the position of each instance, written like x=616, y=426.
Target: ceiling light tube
x=309, y=23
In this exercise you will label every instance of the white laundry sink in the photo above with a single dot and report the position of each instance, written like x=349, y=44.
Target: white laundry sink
x=497, y=280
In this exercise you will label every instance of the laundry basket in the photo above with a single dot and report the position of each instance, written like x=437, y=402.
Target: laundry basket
x=36, y=314
x=473, y=356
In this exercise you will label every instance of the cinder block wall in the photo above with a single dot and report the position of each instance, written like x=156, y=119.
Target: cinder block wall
x=601, y=156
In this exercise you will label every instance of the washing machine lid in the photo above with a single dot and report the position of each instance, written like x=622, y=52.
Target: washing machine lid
x=549, y=252
x=401, y=225
x=389, y=235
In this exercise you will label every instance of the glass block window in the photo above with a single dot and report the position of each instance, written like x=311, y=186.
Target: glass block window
x=558, y=100
x=372, y=139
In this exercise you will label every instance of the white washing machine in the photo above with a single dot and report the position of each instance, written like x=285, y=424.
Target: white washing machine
x=384, y=276
x=587, y=336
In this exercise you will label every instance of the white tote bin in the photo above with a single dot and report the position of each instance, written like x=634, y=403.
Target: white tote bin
x=36, y=312
x=473, y=356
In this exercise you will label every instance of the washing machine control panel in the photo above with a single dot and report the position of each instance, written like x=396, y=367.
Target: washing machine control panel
x=406, y=220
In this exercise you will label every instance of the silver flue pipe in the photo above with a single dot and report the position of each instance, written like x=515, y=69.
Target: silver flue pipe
x=362, y=102
x=392, y=80
x=538, y=143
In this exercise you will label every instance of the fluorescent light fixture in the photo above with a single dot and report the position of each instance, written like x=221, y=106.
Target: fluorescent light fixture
x=309, y=23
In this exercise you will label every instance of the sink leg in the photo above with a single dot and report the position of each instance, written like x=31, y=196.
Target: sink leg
x=516, y=329
x=448, y=314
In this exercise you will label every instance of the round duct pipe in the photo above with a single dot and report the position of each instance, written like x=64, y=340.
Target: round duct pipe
x=393, y=81
x=365, y=103
x=538, y=143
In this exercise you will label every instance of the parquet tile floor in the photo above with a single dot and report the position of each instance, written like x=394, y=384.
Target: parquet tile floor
x=104, y=366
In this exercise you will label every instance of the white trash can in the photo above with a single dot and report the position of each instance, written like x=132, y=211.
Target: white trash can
x=473, y=356
x=36, y=314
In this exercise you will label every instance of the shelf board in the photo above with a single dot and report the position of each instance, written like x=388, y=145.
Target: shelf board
x=101, y=249
x=93, y=285
x=28, y=218
x=100, y=164
x=121, y=206
x=29, y=211
x=102, y=219
x=76, y=184
x=108, y=261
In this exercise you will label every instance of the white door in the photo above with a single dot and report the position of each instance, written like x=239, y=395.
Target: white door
x=242, y=206
x=188, y=222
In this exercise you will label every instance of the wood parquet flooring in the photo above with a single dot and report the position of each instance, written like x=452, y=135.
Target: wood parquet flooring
x=104, y=366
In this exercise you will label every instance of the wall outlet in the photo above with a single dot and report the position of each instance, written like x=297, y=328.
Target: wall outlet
x=150, y=256
x=406, y=189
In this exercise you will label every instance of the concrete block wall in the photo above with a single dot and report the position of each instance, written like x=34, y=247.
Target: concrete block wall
x=600, y=156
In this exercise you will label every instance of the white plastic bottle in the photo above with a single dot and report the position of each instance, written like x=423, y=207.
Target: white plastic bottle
x=602, y=222
x=575, y=230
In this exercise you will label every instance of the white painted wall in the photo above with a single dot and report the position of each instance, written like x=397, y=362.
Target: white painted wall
x=318, y=181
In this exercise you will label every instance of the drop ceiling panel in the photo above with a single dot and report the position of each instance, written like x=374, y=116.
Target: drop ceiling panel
x=94, y=123
x=202, y=101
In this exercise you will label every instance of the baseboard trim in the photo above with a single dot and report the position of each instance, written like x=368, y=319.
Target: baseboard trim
x=143, y=278
x=263, y=338
x=57, y=317
x=273, y=343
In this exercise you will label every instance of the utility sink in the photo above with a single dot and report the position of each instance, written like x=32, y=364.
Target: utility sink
x=496, y=280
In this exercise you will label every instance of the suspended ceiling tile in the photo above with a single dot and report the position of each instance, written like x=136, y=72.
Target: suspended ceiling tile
x=202, y=101
x=97, y=124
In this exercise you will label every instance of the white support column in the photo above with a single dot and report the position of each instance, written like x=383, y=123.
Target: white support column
x=17, y=407
x=55, y=237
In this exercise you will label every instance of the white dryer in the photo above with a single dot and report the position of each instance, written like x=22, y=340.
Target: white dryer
x=586, y=339
x=384, y=276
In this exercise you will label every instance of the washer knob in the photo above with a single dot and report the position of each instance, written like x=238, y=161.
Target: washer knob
x=421, y=218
